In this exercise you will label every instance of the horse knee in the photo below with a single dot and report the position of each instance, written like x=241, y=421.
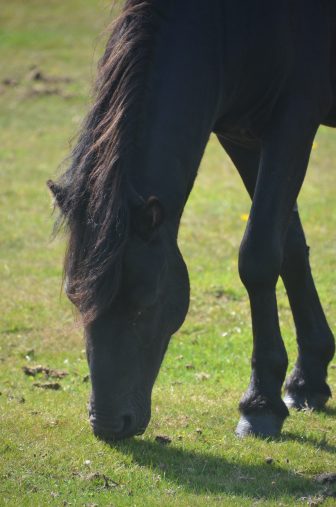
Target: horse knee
x=259, y=263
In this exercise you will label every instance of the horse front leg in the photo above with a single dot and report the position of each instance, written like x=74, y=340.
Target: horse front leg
x=283, y=163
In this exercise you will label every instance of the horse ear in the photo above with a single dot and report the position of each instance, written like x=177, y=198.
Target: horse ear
x=148, y=217
x=153, y=210
x=58, y=193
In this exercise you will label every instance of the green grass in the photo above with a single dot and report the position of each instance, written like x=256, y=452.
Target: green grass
x=47, y=453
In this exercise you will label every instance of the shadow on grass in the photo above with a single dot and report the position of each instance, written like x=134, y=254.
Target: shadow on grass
x=313, y=442
x=329, y=410
x=213, y=474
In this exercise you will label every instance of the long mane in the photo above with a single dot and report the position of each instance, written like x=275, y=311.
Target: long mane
x=95, y=188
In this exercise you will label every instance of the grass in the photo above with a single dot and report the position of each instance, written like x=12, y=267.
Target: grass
x=47, y=453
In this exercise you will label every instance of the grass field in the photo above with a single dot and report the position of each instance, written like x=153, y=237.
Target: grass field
x=48, y=455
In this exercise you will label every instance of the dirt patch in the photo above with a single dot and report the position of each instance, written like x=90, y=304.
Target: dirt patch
x=54, y=386
x=8, y=81
x=36, y=83
x=13, y=397
x=102, y=480
x=42, y=84
x=32, y=371
x=202, y=376
x=326, y=478
x=163, y=439
x=40, y=91
x=220, y=293
x=36, y=74
x=190, y=366
x=107, y=482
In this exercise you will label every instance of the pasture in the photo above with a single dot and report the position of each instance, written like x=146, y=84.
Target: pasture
x=189, y=455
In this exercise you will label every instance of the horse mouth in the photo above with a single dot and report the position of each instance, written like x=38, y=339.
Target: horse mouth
x=113, y=429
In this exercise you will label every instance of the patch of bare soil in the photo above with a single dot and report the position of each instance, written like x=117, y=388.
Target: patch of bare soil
x=101, y=480
x=43, y=84
x=8, y=81
x=40, y=91
x=37, y=83
x=54, y=386
x=163, y=439
x=32, y=371
x=35, y=74
x=326, y=478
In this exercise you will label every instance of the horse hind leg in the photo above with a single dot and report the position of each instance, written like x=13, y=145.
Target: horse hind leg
x=306, y=387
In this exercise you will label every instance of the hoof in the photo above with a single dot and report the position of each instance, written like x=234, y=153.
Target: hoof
x=296, y=401
x=302, y=402
x=259, y=425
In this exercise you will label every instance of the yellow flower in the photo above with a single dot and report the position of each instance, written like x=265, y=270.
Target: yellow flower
x=244, y=217
x=314, y=145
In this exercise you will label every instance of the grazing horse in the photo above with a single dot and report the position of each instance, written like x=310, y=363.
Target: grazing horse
x=262, y=77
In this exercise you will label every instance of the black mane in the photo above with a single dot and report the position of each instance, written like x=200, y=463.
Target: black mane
x=95, y=188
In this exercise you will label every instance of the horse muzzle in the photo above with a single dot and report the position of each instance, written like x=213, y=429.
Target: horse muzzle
x=127, y=423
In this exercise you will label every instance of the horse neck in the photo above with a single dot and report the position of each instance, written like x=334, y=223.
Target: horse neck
x=180, y=105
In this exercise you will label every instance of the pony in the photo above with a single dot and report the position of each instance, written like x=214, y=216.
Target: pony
x=262, y=77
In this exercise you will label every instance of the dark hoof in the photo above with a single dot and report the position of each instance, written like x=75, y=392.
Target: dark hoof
x=259, y=425
x=296, y=401
x=302, y=402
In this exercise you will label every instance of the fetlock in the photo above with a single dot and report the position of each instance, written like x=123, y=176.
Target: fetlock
x=254, y=402
x=307, y=389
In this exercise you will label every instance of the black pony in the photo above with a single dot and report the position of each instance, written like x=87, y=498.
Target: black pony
x=262, y=76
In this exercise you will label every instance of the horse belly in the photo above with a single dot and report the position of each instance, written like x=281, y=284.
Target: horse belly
x=278, y=57
x=257, y=58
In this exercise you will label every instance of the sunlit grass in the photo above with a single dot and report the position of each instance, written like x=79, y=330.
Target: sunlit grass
x=47, y=453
